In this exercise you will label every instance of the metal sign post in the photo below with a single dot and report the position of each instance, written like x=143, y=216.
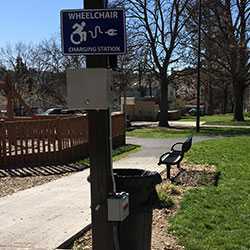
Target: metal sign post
x=198, y=72
x=96, y=32
x=100, y=148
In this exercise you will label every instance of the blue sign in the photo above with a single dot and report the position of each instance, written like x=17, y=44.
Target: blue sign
x=93, y=32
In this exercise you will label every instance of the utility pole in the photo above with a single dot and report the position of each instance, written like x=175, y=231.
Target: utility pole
x=100, y=149
x=198, y=71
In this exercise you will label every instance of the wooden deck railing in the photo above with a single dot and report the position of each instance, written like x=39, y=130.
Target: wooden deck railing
x=49, y=141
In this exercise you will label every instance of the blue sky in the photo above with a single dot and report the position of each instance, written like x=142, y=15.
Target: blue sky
x=32, y=20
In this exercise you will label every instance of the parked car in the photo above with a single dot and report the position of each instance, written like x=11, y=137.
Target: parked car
x=52, y=111
x=73, y=112
x=193, y=111
x=61, y=111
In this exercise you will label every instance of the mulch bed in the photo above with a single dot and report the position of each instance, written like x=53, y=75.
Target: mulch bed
x=191, y=176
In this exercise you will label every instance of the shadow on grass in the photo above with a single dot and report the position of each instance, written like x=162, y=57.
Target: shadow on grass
x=174, y=132
x=224, y=131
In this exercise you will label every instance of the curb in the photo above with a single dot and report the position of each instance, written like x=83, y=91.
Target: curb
x=69, y=242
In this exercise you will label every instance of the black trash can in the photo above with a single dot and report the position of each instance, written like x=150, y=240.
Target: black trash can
x=135, y=230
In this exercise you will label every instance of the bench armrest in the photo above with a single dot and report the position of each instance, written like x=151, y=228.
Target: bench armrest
x=178, y=143
x=161, y=157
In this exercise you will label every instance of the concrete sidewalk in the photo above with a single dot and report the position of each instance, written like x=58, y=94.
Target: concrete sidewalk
x=43, y=217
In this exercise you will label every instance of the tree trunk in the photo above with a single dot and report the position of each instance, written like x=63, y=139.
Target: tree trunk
x=210, y=108
x=150, y=89
x=225, y=99
x=124, y=108
x=163, y=119
x=141, y=88
x=238, y=102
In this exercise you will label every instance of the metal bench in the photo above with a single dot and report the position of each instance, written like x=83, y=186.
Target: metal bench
x=175, y=155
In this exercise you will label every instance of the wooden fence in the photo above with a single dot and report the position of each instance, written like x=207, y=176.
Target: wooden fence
x=49, y=141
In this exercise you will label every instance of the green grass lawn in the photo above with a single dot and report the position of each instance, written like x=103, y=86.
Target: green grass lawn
x=218, y=218
x=177, y=133
x=225, y=119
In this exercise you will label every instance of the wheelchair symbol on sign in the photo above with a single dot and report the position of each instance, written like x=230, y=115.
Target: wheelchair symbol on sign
x=79, y=35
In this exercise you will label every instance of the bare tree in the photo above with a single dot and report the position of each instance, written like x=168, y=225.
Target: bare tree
x=17, y=61
x=225, y=33
x=39, y=71
x=159, y=24
x=128, y=65
x=233, y=22
x=9, y=54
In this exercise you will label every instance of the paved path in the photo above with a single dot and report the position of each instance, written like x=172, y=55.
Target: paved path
x=43, y=217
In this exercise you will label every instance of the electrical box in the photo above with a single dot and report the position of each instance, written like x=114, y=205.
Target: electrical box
x=118, y=206
x=90, y=89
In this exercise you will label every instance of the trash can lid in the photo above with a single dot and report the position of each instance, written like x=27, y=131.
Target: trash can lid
x=141, y=175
